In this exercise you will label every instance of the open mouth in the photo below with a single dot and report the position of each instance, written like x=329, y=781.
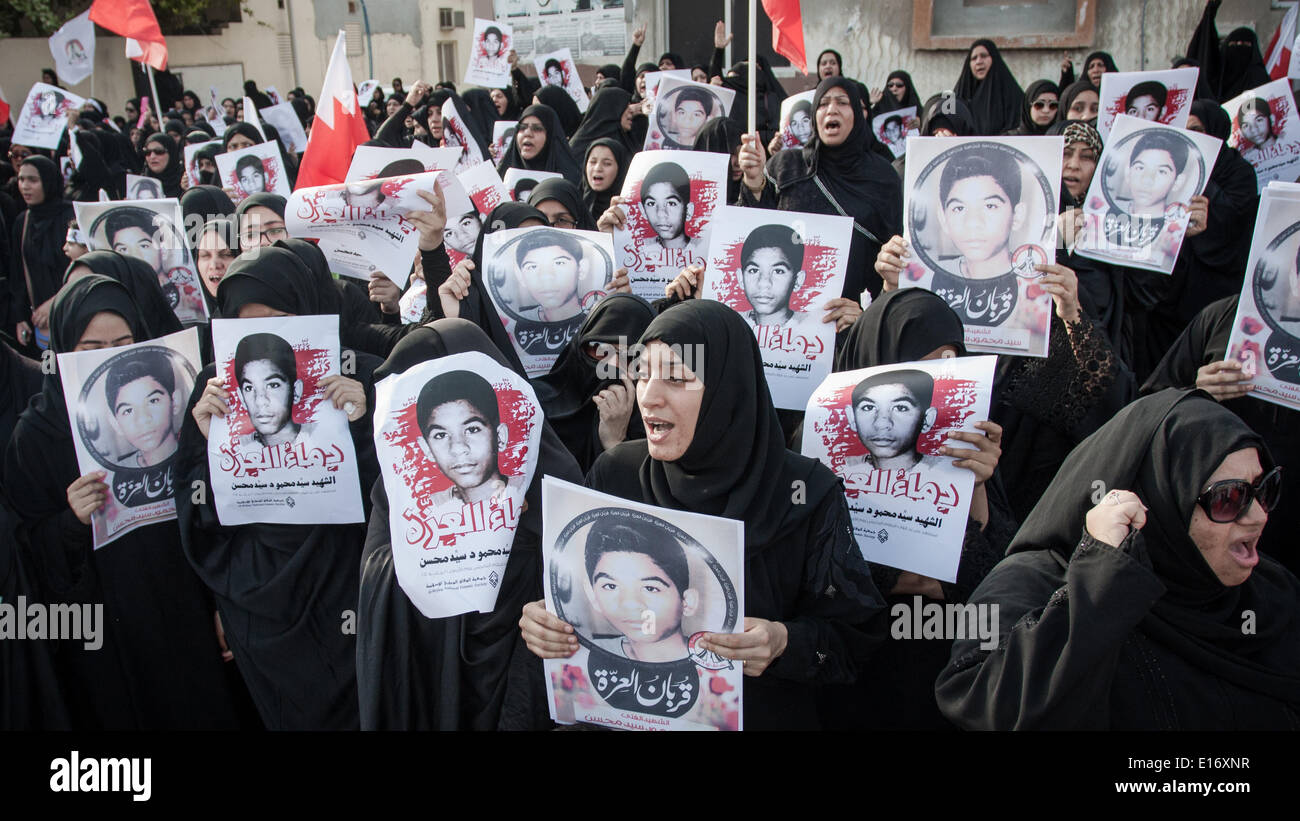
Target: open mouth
x=657, y=430
x=1244, y=552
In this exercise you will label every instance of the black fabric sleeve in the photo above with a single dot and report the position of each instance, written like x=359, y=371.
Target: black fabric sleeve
x=715, y=62
x=390, y=133
x=1060, y=637
x=1061, y=389
x=627, y=75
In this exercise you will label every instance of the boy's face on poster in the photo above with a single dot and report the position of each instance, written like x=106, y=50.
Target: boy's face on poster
x=1151, y=175
x=665, y=210
x=834, y=116
x=769, y=279
x=1255, y=127
x=463, y=444
x=269, y=395
x=550, y=275
x=252, y=180
x=893, y=131
x=801, y=126
x=492, y=44
x=143, y=413
x=634, y=593
x=888, y=419
x=554, y=77
x=134, y=242
x=689, y=117
x=1144, y=107
x=462, y=234
x=669, y=396
x=978, y=217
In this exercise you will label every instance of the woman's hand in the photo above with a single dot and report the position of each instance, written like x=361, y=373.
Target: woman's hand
x=1224, y=380
x=686, y=285
x=1198, y=215
x=1067, y=64
x=185, y=180
x=41, y=316
x=87, y=495
x=876, y=95
x=621, y=283
x=432, y=222
x=545, y=634
x=638, y=35
x=455, y=288
x=842, y=311
x=1111, y=519
x=1069, y=226
x=226, y=653
x=513, y=59
x=347, y=394
x=212, y=403
x=721, y=39
x=385, y=292
x=615, y=405
x=613, y=218
x=775, y=145
x=1063, y=285
x=417, y=92
x=751, y=159
x=891, y=261
x=762, y=643
x=988, y=449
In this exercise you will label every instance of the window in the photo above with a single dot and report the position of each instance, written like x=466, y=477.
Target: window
x=446, y=19
x=447, y=60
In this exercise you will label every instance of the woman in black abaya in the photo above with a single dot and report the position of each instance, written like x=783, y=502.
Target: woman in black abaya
x=604, y=167
x=813, y=614
x=559, y=101
x=167, y=167
x=1231, y=65
x=467, y=672
x=582, y=395
x=37, y=261
x=1038, y=111
x=282, y=590
x=899, y=92
x=990, y=89
x=159, y=666
x=722, y=135
x=561, y=202
x=540, y=145
x=835, y=173
x=1124, y=609
x=604, y=120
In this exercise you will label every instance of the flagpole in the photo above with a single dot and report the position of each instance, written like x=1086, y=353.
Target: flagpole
x=726, y=23
x=752, y=96
x=157, y=104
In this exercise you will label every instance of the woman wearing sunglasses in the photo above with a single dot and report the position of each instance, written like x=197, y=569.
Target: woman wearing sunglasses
x=1042, y=100
x=1134, y=595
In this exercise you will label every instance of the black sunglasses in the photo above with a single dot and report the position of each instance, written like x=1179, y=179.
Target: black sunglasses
x=1228, y=500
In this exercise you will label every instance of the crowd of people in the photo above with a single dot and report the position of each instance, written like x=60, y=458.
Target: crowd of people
x=1116, y=608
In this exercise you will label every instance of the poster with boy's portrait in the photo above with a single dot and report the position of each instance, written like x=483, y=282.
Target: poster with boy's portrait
x=1266, y=130
x=373, y=161
x=1136, y=210
x=654, y=78
x=797, y=121
x=362, y=226
x=893, y=128
x=192, y=161
x=642, y=586
x=284, y=454
x=503, y=133
x=778, y=270
x=681, y=109
x=463, y=221
x=457, y=439
x=558, y=69
x=979, y=213
x=484, y=187
x=520, y=182
x=44, y=116
x=126, y=406
x=455, y=134
x=151, y=231
x=489, y=65
x=543, y=282
x=1155, y=96
x=669, y=198
x=141, y=187
x=286, y=122
x=258, y=169
x=1266, y=330
x=880, y=430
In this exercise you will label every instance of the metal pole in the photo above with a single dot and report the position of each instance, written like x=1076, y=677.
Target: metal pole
x=726, y=21
x=154, y=88
x=751, y=98
x=370, y=52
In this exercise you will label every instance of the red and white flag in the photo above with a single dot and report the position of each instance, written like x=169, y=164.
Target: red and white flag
x=1277, y=58
x=4, y=108
x=338, y=128
x=134, y=20
x=787, y=31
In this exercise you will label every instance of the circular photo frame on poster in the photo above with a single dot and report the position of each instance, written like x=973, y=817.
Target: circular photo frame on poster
x=1275, y=285
x=1151, y=174
x=149, y=236
x=681, y=113
x=548, y=276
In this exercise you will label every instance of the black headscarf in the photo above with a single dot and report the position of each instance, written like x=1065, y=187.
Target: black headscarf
x=247, y=129
x=737, y=464
x=554, y=156
x=1098, y=55
x=596, y=202
x=1027, y=125
x=721, y=135
x=280, y=276
x=1242, y=67
x=38, y=237
x=259, y=98
x=610, y=71
x=275, y=202
x=206, y=201
x=141, y=283
x=170, y=176
x=565, y=108
x=887, y=101
x=839, y=61
x=566, y=392
x=861, y=182
x=903, y=325
x=1067, y=99
x=674, y=58
x=467, y=672
x=1164, y=447
x=603, y=120
x=994, y=101
x=482, y=114
x=568, y=195
x=957, y=118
